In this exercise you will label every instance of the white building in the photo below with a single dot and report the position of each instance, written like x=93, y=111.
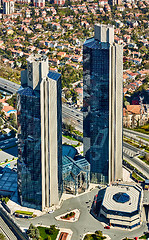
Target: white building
x=122, y=205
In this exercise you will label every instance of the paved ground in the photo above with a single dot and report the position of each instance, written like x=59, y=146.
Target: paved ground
x=86, y=221
x=8, y=154
x=126, y=176
x=69, y=141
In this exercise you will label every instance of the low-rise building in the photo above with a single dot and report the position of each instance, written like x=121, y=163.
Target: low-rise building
x=122, y=205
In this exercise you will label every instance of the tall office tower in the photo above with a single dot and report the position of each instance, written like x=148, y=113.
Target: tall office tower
x=102, y=105
x=39, y=135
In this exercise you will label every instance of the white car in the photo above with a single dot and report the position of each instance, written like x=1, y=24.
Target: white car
x=51, y=211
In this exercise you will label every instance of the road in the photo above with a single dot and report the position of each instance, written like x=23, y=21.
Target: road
x=133, y=150
x=86, y=221
x=72, y=116
x=8, y=143
x=8, y=86
x=6, y=230
x=137, y=163
x=137, y=134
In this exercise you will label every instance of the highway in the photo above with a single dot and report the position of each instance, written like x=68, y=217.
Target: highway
x=8, y=86
x=8, y=143
x=133, y=150
x=6, y=230
x=72, y=116
x=136, y=134
x=137, y=163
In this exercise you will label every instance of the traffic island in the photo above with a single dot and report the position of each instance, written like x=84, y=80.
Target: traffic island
x=71, y=216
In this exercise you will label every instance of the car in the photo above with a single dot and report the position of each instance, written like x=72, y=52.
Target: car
x=51, y=211
x=78, y=120
x=107, y=227
x=2, y=146
x=77, y=115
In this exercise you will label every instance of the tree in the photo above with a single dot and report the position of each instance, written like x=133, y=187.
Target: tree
x=1, y=106
x=33, y=232
x=2, y=237
x=37, y=234
x=1, y=122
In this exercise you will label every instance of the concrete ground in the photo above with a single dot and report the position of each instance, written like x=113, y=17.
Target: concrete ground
x=86, y=222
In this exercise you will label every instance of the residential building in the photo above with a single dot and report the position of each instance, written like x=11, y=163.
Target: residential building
x=39, y=3
x=59, y=2
x=39, y=135
x=115, y=2
x=102, y=105
x=135, y=115
x=23, y=1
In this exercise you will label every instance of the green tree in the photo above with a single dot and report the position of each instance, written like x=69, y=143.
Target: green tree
x=2, y=237
x=1, y=122
x=33, y=232
x=1, y=106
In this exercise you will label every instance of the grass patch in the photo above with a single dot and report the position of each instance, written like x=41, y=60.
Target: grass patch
x=74, y=145
x=146, y=139
x=8, y=161
x=142, y=129
x=131, y=167
x=24, y=212
x=143, y=159
x=144, y=236
x=4, y=199
x=70, y=138
x=97, y=235
x=45, y=232
x=137, y=177
x=130, y=142
x=78, y=133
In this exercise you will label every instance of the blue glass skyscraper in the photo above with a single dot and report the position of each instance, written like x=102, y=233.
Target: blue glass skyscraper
x=39, y=135
x=102, y=105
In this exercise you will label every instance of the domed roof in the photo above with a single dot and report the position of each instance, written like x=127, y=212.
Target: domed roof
x=121, y=197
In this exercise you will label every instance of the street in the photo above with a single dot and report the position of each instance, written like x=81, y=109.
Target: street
x=86, y=221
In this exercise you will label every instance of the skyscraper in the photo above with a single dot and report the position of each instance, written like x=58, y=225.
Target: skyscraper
x=102, y=105
x=39, y=135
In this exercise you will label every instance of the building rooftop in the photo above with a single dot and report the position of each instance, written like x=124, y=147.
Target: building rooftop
x=69, y=151
x=122, y=198
x=54, y=75
x=36, y=57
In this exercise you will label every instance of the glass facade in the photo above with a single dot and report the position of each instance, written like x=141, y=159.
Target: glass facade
x=29, y=147
x=96, y=108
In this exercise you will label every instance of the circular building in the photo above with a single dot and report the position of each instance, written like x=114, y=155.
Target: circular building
x=121, y=205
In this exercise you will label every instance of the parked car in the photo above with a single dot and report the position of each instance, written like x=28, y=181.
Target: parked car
x=51, y=211
x=107, y=227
